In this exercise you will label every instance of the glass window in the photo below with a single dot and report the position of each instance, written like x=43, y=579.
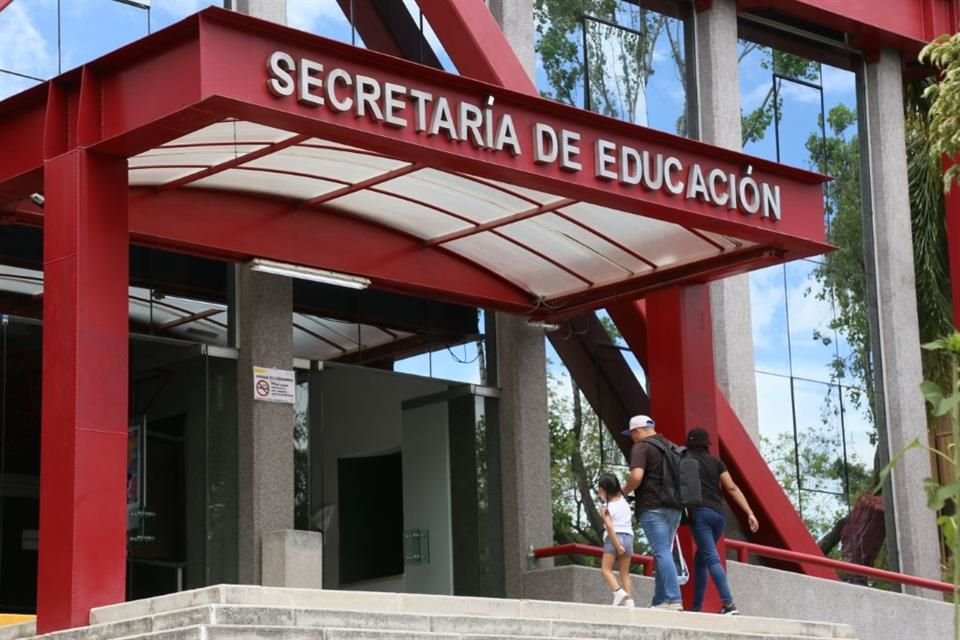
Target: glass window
x=812, y=326
x=28, y=31
x=813, y=348
x=768, y=310
x=611, y=57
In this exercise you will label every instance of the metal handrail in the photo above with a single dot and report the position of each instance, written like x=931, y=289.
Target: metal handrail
x=744, y=549
x=577, y=549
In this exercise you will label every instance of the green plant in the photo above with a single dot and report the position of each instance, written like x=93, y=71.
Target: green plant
x=939, y=496
x=944, y=54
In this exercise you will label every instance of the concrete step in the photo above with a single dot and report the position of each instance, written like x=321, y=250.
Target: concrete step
x=234, y=632
x=256, y=613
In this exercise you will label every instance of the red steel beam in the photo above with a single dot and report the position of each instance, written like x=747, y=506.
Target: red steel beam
x=951, y=206
x=782, y=525
x=476, y=43
x=499, y=222
x=903, y=24
x=236, y=162
x=363, y=184
x=237, y=226
x=83, y=509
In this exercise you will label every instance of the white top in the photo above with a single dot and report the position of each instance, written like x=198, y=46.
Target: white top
x=621, y=516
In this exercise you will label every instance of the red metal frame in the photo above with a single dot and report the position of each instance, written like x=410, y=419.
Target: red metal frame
x=82, y=559
x=907, y=25
x=680, y=377
x=951, y=206
x=745, y=549
x=577, y=549
x=782, y=525
x=91, y=119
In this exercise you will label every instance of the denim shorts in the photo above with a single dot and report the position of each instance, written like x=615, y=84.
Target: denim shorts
x=626, y=539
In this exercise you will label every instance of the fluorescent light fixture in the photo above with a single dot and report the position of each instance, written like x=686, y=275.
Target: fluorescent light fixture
x=309, y=273
x=546, y=326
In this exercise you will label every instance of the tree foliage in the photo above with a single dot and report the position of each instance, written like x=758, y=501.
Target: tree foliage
x=617, y=41
x=944, y=97
x=754, y=125
x=842, y=274
x=929, y=232
x=820, y=459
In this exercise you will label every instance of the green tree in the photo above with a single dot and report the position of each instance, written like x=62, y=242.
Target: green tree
x=841, y=275
x=944, y=103
x=575, y=464
x=620, y=39
x=754, y=124
x=821, y=465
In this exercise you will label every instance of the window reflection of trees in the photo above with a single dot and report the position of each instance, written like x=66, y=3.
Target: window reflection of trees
x=608, y=55
x=824, y=457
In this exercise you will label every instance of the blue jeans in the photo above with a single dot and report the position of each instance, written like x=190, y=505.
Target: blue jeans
x=660, y=526
x=707, y=527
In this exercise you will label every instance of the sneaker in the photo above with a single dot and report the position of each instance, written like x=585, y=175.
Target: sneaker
x=629, y=604
x=619, y=596
x=729, y=610
x=669, y=606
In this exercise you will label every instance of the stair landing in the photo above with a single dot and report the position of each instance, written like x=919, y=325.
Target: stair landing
x=264, y=613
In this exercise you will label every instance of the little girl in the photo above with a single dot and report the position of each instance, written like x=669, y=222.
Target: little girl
x=617, y=539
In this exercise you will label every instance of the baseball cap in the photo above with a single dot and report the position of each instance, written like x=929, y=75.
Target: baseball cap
x=698, y=437
x=638, y=422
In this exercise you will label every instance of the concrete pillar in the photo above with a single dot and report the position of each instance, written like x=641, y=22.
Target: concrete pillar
x=521, y=373
x=515, y=18
x=524, y=445
x=293, y=559
x=899, y=336
x=719, y=120
x=265, y=429
x=273, y=10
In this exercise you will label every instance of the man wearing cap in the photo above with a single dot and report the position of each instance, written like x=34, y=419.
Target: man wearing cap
x=659, y=521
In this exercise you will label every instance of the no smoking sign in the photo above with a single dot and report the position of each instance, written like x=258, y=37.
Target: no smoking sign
x=274, y=385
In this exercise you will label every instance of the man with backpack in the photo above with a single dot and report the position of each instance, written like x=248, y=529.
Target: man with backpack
x=663, y=486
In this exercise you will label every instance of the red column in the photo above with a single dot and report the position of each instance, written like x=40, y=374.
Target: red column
x=681, y=383
x=84, y=422
x=951, y=206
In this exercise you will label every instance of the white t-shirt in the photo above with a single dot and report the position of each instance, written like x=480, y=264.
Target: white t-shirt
x=621, y=515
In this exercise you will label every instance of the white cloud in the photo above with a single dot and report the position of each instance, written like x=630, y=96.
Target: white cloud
x=766, y=303
x=310, y=15
x=33, y=54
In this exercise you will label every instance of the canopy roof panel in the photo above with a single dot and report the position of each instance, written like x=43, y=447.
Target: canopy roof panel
x=278, y=144
x=546, y=244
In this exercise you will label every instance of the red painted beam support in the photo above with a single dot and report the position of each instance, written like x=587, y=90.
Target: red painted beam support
x=476, y=44
x=681, y=383
x=781, y=524
x=951, y=210
x=82, y=555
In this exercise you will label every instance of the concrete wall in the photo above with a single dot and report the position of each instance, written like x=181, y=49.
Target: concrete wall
x=361, y=416
x=759, y=591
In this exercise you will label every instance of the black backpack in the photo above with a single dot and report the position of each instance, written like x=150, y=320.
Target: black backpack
x=681, y=476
